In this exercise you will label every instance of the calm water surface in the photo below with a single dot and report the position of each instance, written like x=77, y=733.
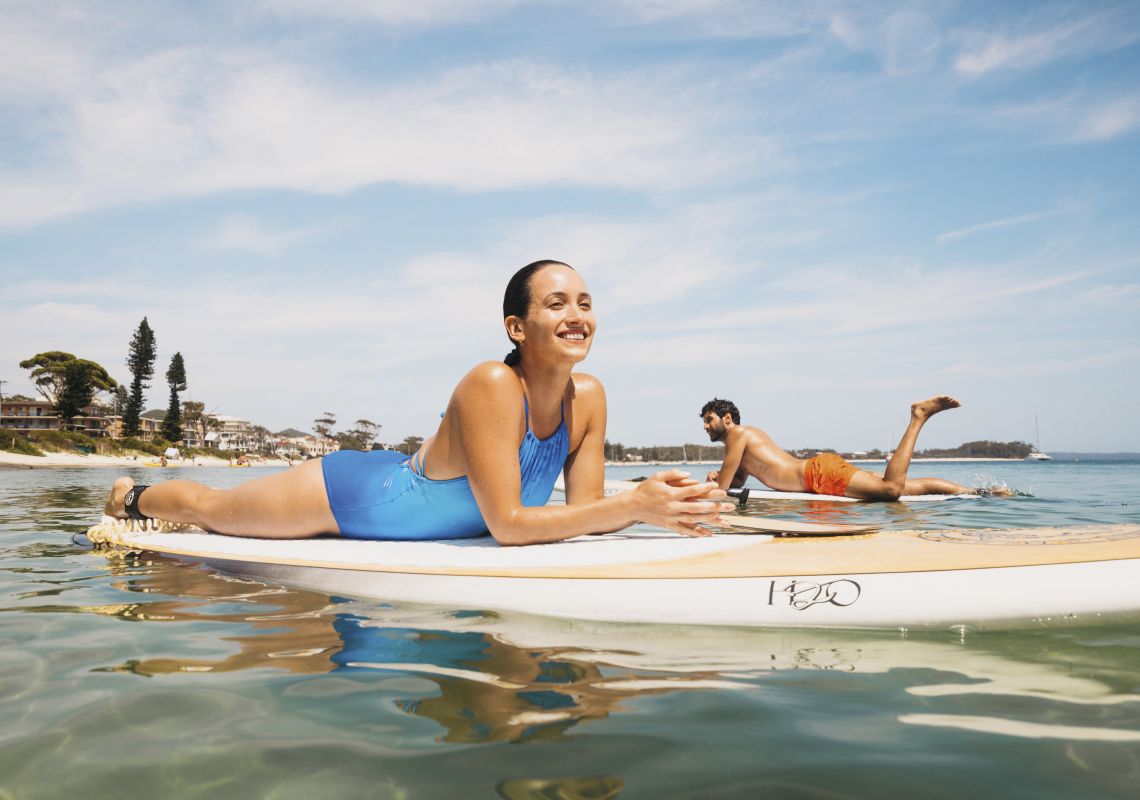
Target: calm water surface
x=138, y=676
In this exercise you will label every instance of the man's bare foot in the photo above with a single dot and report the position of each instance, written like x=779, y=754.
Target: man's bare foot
x=116, y=505
x=928, y=408
x=995, y=491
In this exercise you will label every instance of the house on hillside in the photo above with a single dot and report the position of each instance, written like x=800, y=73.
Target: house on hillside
x=150, y=424
x=294, y=444
x=25, y=415
x=231, y=433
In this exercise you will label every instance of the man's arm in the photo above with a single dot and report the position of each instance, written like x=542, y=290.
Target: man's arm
x=733, y=454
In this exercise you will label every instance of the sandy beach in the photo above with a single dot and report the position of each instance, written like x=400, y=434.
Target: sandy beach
x=50, y=460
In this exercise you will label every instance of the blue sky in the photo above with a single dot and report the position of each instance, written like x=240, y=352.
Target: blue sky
x=820, y=210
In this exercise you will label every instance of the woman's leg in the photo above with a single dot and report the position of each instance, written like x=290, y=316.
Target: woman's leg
x=286, y=505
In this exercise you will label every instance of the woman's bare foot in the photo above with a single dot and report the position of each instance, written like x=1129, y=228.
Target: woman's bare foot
x=928, y=408
x=116, y=503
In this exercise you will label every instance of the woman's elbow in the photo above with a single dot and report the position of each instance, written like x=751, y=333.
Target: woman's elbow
x=508, y=532
x=511, y=538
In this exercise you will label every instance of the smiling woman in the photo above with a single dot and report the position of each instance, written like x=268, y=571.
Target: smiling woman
x=509, y=429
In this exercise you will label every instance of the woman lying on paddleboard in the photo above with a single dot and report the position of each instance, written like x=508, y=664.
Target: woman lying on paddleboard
x=509, y=430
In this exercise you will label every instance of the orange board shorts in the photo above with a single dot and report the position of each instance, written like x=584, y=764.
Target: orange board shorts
x=827, y=473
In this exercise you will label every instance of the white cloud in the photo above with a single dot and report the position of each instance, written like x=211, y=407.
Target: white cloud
x=1124, y=296
x=244, y=233
x=1004, y=222
x=1114, y=118
x=182, y=123
x=904, y=42
x=985, y=51
x=393, y=12
x=717, y=18
x=727, y=18
x=1074, y=118
x=848, y=300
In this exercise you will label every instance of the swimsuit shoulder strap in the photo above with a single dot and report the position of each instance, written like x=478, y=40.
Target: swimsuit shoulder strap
x=526, y=411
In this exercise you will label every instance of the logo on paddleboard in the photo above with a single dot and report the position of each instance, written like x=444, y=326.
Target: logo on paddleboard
x=802, y=595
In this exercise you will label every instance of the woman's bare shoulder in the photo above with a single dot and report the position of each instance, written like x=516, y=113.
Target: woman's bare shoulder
x=490, y=381
x=587, y=393
x=586, y=385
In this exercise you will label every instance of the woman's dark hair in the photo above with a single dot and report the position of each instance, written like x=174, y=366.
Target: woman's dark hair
x=516, y=300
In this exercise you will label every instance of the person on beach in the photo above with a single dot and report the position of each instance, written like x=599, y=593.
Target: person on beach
x=508, y=431
x=750, y=451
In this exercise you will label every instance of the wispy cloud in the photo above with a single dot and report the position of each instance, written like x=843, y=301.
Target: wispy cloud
x=1074, y=117
x=392, y=12
x=244, y=233
x=983, y=51
x=1108, y=121
x=904, y=42
x=845, y=301
x=193, y=121
x=716, y=18
x=1004, y=222
x=1121, y=296
x=339, y=190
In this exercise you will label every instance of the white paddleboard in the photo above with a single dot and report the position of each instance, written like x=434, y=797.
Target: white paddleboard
x=761, y=494
x=898, y=579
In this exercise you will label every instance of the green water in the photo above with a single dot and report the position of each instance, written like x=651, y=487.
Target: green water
x=146, y=677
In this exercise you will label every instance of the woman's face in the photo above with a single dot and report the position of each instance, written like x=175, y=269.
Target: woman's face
x=560, y=322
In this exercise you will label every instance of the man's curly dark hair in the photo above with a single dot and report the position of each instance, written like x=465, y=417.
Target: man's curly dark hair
x=720, y=408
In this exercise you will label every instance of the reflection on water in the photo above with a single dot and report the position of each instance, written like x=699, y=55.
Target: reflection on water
x=485, y=687
x=155, y=677
x=601, y=788
x=488, y=677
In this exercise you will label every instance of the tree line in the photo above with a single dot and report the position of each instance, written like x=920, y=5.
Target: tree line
x=361, y=436
x=616, y=451
x=71, y=383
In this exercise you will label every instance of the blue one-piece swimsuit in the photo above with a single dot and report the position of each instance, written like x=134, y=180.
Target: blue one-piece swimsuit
x=383, y=494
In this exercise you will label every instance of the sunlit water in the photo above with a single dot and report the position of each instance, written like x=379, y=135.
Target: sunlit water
x=145, y=677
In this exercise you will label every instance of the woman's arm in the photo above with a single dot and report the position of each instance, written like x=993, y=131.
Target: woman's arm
x=489, y=405
x=585, y=470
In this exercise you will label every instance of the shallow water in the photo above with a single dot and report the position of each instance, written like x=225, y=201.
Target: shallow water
x=148, y=677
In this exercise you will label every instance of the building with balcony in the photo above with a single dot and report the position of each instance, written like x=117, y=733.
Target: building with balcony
x=28, y=416
x=294, y=444
x=230, y=433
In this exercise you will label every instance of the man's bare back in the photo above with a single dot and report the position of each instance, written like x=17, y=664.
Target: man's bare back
x=750, y=451
x=760, y=457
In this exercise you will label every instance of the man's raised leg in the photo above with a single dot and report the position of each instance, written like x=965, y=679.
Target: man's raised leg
x=893, y=484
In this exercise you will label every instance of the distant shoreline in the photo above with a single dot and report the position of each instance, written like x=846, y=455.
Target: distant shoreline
x=852, y=460
x=68, y=460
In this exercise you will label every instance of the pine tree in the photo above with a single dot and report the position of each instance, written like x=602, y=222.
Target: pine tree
x=323, y=425
x=140, y=361
x=77, y=390
x=119, y=402
x=176, y=377
x=49, y=373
